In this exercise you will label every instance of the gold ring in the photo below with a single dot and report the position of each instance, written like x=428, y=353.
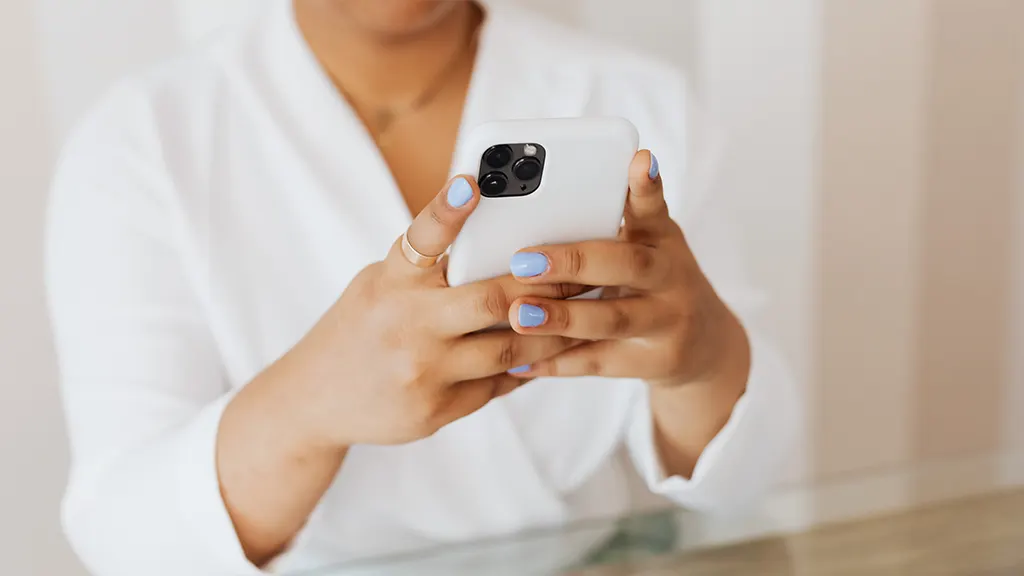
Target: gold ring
x=414, y=256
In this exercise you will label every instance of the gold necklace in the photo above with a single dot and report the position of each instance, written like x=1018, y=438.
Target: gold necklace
x=386, y=117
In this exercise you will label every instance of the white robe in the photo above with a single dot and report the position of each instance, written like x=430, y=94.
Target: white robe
x=206, y=214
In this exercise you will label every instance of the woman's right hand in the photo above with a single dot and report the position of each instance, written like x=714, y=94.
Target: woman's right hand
x=400, y=355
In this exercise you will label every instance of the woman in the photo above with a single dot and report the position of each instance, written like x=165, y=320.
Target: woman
x=257, y=373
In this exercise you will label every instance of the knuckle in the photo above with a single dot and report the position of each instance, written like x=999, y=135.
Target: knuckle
x=693, y=327
x=425, y=428
x=507, y=353
x=641, y=261
x=437, y=216
x=672, y=362
x=493, y=389
x=369, y=274
x=565, y=343
x=574, y=261
x=367, y=286
x=563, y=291
x=619, y=321
x=421, y=414
x=410, y=372
x=505, y=385
x=685, y=311
x=593, y=367
x=559, y=316
x=668, y=318
x=494, y=303
x=550, y=368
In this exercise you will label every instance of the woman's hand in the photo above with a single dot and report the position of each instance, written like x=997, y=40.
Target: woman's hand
x=397, y=358
x=660, y=320
x=394, y=360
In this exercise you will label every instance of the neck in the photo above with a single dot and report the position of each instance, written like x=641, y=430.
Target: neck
x=377, y=66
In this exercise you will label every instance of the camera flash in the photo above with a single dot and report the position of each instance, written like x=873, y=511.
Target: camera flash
x=530, y=150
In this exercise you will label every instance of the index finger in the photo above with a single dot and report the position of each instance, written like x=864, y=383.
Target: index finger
x=436, y=226
x=485, y=304
x=593, y=263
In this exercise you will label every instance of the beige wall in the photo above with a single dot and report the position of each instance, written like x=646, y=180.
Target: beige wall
x=968, y=232
x=1013, y=407
x=919, y=191
x=877, y=165
x=873, y=142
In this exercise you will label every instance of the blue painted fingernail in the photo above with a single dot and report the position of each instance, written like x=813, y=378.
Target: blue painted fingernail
x=459, y=193
x=531, y=316
x=520, y=370
x=655, y=169
x=529, y=264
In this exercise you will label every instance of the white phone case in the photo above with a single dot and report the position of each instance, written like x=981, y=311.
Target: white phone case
x=581, y=196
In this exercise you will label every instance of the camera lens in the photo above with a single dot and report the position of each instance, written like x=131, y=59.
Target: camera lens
x=498, y=156
x=527, y=169
x=493, y=184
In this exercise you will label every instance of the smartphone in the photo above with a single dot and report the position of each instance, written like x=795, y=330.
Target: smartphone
x=552, y=181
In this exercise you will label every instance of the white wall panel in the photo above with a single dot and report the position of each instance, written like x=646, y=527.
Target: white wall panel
x=662, y=27
x=759, y=65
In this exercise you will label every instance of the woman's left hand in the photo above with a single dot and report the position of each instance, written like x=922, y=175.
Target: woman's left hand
x=659, y=320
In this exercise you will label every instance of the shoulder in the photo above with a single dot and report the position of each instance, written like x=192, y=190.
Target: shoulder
x=173, y=96
x=129, y=161
x=155, y=123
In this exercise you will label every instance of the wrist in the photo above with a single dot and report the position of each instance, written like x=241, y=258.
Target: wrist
x=730, y=364
x=689, y=412
x=716, y=350
x=717, y=386
x=287, y=394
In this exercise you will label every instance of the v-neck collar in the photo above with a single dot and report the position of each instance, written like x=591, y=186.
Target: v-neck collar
x=340, y=130
x=510, y=80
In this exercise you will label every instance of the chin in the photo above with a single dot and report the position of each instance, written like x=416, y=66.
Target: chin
x=400, y=16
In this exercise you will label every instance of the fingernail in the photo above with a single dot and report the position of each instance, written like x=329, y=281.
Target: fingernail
x=655, y=169
x=520, y=370
x=459, y=193
x=529, y=264
x=531, y=316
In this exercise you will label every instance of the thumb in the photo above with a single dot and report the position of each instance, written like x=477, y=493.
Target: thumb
x=646, y=210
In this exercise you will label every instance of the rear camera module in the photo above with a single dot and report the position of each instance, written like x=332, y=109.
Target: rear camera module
x=511, y=169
